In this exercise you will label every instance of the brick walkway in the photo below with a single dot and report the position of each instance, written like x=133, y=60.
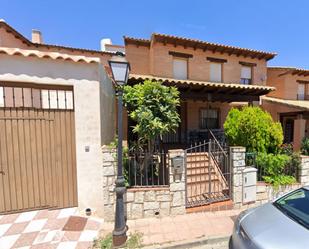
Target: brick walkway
x=44, y=229
x=181, y=228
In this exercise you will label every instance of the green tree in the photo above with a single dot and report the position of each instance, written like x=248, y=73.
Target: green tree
x=154, y=109
x=254, y=129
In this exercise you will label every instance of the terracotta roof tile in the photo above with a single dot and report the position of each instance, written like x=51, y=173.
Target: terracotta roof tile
x=48, y=55
x=291, y=70
x=201, y=83
x=177, y=40
x=30, y=43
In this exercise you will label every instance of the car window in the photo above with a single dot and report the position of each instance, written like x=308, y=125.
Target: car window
x=296, y=206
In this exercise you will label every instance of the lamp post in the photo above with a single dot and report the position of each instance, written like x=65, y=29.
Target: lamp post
x=120, y=69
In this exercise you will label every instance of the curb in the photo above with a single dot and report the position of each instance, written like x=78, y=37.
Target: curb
x=188, y=244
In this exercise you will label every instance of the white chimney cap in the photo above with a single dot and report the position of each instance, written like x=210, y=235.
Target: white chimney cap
x=104, y=42
x=37, y=36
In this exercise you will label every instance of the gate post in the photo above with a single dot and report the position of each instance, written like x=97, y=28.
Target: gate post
x=177, y=183
x=238, y=164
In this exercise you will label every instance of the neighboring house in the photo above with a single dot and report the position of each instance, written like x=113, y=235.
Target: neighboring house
x=211, y=79
x=289, y=104
x=56, y=111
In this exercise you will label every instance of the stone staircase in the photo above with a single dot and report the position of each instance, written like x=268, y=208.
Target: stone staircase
x=205, y=181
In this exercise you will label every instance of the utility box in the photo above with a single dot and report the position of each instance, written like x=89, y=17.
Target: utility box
x=177, y=164
x=249, y=185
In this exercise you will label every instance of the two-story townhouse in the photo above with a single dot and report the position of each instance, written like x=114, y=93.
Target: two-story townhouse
x=289, y=104
x=211, y=79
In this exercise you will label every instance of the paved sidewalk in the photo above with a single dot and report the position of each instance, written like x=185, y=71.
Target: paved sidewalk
x=188, y=227
x=44, y=229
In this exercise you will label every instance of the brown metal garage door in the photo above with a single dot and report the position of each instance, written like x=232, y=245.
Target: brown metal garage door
x=37, y=153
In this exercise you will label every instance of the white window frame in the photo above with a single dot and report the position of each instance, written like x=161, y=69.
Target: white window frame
x=301, y=91
x=246, y=80
x=219, y=76
x=178, y=74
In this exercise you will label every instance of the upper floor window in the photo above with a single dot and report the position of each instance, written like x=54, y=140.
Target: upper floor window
x=301, y=91
x=246, y=75
x=215, y=72
x=180, y=68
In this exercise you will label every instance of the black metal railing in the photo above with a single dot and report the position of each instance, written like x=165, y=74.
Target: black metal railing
x=219, y=153
x=146, y=169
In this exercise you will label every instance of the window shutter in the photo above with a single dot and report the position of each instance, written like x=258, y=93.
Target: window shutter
x=301, y=89
x=180, y=67
x=245, y=72
x=215, y=72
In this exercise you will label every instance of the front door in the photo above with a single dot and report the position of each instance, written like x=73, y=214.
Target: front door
x=288, y=129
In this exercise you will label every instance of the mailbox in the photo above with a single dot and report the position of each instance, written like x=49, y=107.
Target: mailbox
x=177, y=164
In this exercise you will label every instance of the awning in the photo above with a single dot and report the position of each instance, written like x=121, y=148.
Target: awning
x=301, y=104
x=211, y=91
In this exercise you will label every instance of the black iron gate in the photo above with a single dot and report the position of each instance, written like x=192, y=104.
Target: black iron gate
x=208, y=173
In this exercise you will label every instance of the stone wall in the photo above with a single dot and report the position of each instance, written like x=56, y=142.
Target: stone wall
x=109, y=177
x=147, y=201
x=304, y=170
x=237, y=161
x=266, y=192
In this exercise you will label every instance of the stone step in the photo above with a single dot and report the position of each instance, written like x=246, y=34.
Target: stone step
x=203, y=181
x=198, y=174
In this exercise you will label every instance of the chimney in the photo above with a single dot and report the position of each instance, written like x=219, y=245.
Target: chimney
x=37, y=36
x=105, y=41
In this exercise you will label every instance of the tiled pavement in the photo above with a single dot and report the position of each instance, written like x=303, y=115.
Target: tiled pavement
x=44, y=230
x=186, y=227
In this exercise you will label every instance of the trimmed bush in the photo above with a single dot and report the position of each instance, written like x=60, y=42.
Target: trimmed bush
x=254, y=129
x=274, y=168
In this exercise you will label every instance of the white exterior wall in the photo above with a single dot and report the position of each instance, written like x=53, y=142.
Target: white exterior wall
x=85, y=79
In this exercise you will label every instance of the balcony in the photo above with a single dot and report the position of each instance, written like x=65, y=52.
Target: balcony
x=302, y=97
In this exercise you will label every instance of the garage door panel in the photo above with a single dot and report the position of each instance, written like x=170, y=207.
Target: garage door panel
x=34, y=160
x=4, y=178
x=28, y=162
x=22, y=158
x=40, y=165
x=12, y=177
x=37, y=154
x=16, y=167
x=54, y=175
x=64, y=170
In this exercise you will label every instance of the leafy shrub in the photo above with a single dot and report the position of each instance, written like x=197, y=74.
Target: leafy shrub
x=153, y=107
x=254, y=129
x=305, y=146
x=286, y=149
x=273, y=168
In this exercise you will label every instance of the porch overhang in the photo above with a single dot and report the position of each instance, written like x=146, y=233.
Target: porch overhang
x=302, y=105
x=209, y=91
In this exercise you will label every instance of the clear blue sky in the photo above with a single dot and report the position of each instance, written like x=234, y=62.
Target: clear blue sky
x=270, y=25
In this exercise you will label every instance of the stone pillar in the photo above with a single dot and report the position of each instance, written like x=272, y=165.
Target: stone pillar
x=109, y=177
x=177, y=184
x=304, y=170
x=299, y=132
x=238, y=164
